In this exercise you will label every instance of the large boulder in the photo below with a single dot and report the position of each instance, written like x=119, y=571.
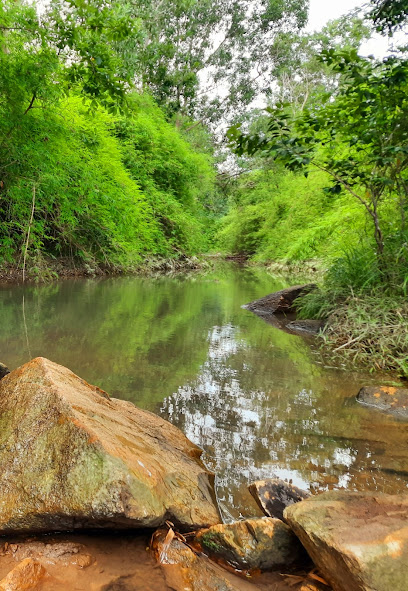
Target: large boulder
x=274, y=495
x=279, y=302
x=263, y=544
x=71, y=457
x=358, y=541
x=386, y=398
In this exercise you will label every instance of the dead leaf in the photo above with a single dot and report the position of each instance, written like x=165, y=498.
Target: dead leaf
x=316, y=577
x=166, y=545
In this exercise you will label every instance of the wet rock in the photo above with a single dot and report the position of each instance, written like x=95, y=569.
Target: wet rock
x=63, y=553
x=263, y=544
x=358, y=541
x=392, y=400
x=186, y=570
x=274, y=495
x=306, y=326
x=74, y=458
x=4, y=370
x=26, y=576
x=280, y=302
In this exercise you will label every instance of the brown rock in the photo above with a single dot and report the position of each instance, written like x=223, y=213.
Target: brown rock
x=279, y=302
x=26, y=576
x=186, y=570
x=393, y=400
x=274, y=495
x=358, y=541
x=73, y=458
x=263, y=544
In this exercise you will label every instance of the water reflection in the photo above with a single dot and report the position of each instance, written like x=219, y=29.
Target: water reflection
x=255, y=398
x=254, y=421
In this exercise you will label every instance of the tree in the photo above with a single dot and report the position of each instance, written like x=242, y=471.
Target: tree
x=208, y=58
x=69, y=45
x=359, y=136
x=389, y=15
x=44, y=55
x=301, y=76
x=71, y=42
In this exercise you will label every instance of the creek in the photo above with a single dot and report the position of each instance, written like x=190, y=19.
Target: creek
x=259, y=401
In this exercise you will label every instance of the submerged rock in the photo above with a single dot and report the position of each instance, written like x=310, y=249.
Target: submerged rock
x=73, y=458
x=312, y=327
x=4, y=370
x=274, y=495
x=26, y=576
x=393, y=400
x=262, y=544
x=186, y=570
x=279, y=302
x=358, y=541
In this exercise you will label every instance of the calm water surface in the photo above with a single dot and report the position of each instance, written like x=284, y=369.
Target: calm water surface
x=259, y=401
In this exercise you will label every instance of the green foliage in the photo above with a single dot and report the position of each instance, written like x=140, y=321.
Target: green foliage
x=389, y=15
x=301, y=75
x=78, y=178
x=70, y=43
x=176, y=180
x=275, y=215
x=231, y=41
x=102, y=194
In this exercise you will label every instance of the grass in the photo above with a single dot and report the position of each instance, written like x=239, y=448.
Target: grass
x=367, y=329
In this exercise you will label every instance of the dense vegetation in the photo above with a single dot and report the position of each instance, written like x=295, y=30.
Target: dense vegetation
x=331, y=182
x=104, y=157
x=79, y=177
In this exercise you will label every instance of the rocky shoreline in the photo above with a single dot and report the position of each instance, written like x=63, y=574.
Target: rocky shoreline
x=72, y=458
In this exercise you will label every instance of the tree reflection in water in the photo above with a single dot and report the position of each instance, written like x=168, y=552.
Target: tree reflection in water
x=311, y=436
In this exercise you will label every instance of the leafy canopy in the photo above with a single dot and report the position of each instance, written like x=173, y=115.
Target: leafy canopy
x=389, y=15
x=206, y=58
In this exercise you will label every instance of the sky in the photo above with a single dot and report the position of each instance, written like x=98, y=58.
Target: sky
x=321, y=11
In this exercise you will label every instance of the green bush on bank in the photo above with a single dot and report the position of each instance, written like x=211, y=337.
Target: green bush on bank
x=102, y=188
x=283, y=216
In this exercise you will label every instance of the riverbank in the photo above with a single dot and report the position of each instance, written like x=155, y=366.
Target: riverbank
x=49, y=269
x=368, y=330
x=371, y=331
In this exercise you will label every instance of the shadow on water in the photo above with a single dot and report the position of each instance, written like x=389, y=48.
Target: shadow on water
x=254, y=398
